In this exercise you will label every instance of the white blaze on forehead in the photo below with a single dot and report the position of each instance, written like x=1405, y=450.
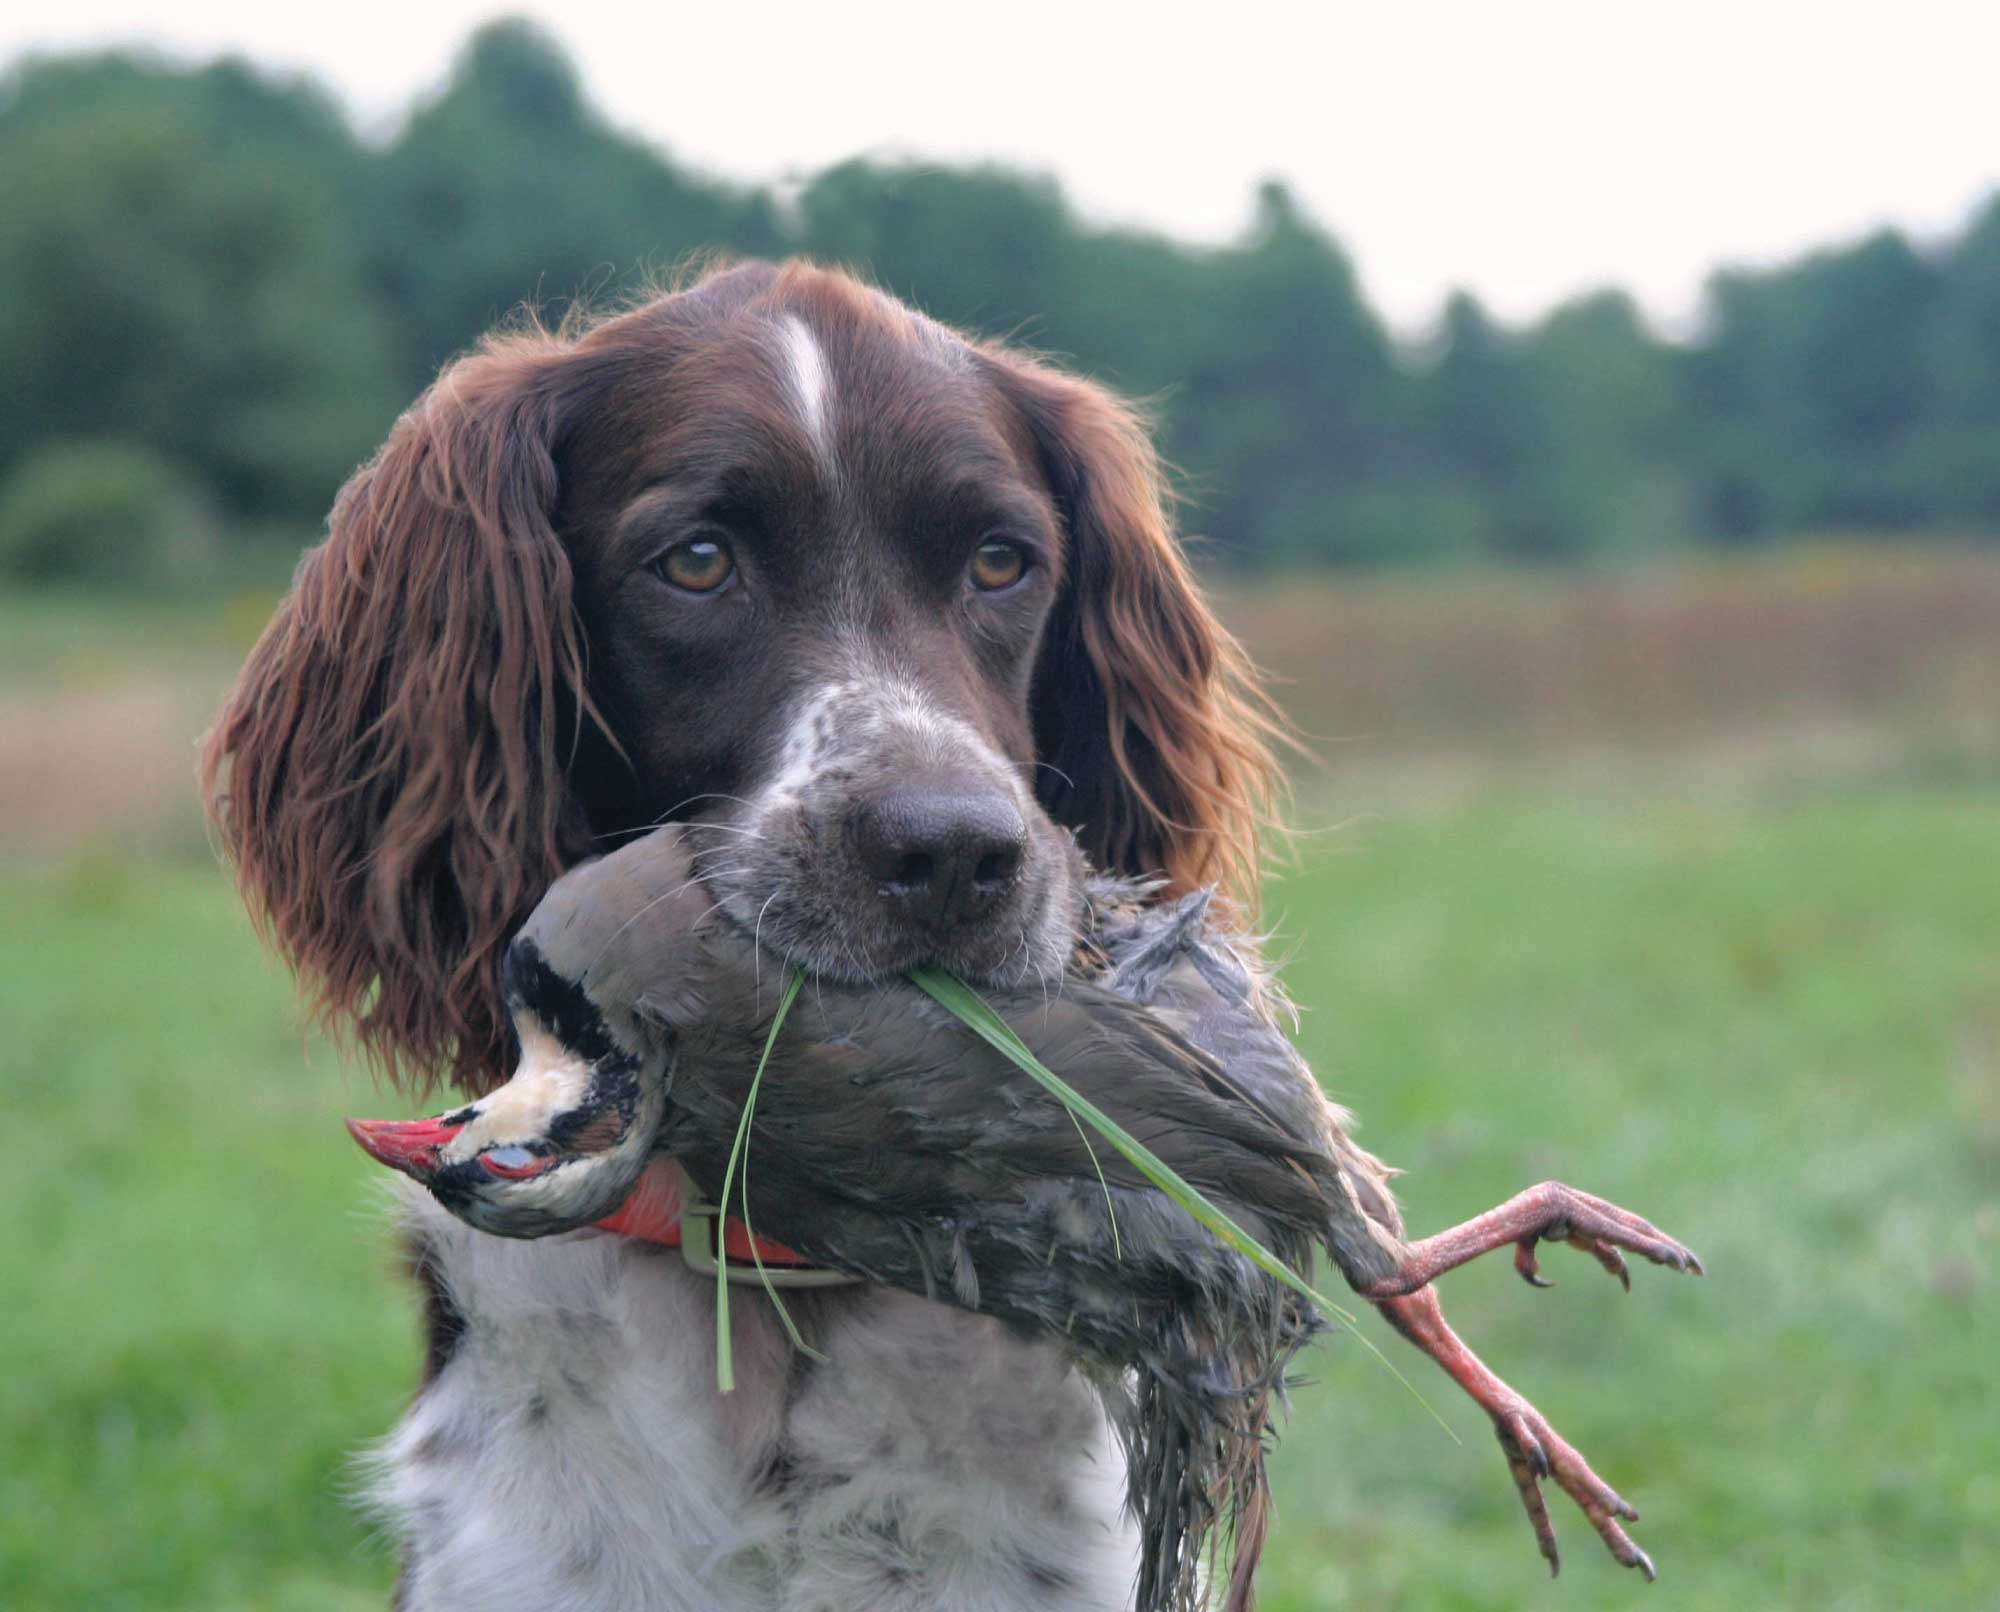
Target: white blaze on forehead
x=808, y=381
x=549, y=1081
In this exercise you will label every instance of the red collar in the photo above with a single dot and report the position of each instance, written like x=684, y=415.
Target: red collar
x=664, y=1209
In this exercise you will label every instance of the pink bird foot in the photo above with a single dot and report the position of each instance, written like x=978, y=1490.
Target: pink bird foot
x=1534, y=1450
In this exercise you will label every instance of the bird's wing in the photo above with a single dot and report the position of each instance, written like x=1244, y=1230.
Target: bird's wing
x=890, y=1078
x=1206, y=981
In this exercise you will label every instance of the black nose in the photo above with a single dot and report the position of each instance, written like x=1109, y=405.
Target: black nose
x=944, y=850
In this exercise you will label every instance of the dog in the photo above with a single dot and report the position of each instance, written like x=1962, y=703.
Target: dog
x=896, y=621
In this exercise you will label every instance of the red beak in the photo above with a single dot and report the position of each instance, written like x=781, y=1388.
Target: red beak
x=409, y=1145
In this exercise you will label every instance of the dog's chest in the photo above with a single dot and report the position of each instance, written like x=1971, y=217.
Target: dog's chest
x=573, y=1453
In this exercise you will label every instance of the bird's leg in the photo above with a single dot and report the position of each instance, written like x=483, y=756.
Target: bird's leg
x=1550, y=1212
x=1534, y=1450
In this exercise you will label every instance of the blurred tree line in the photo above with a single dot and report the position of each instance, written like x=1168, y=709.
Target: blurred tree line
x=214, y=297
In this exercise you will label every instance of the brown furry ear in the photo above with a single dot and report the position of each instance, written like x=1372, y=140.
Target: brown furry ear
x=1151, y=711
x=386, y=773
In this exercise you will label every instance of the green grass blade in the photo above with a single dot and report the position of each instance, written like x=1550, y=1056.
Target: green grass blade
x=771, y=1289
x=973, y=1011
x=725, y=1363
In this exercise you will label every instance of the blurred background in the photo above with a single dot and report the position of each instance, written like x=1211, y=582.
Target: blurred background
x=1595, y=429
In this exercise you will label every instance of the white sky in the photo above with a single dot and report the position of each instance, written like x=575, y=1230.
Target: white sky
x=1524, y=150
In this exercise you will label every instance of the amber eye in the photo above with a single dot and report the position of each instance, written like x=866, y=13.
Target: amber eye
x=998, y=564
x=698, y=567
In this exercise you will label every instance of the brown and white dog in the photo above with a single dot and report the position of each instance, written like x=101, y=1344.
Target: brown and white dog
x=891, y=615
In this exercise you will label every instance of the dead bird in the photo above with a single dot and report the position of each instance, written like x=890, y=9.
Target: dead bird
x=890, y=1144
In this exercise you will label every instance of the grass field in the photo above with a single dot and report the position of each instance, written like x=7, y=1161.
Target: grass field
x=1763, y=1011
x=1774, y=1027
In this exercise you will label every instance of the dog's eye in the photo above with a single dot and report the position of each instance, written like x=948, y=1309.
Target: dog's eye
x=514, y=1163
x=702, y=566
x=998, y=564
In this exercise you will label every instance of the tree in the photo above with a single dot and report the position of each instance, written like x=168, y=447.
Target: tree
x=207, y=264
x=507, y=188
x=165, y=280
x=1286, y=412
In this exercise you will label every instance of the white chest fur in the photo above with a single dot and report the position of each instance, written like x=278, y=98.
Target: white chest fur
x=573, y=1453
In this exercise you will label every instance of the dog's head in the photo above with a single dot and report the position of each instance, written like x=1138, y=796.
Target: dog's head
x=892, y=614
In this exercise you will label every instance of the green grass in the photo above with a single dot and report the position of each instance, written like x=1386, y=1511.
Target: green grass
x=1775, y=1032
x=201, y=1323
x=1772, y=1026
x=55, y=637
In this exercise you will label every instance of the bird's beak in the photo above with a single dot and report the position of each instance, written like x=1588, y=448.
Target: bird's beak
x=409, y=1145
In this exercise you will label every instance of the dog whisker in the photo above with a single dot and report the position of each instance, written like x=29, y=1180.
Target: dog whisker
x=750, y=833
x=713, y=794
x=685, y=885
x=636, y=829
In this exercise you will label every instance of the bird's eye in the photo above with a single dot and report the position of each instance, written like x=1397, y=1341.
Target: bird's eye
x=700, y=566
x=514, y=1163
x=998, y=564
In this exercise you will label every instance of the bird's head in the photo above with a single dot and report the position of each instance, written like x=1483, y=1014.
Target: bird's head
x=561, y=1145
x=611, y=959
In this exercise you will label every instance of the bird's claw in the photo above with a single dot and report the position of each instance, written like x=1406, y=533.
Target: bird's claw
x=1549, y=1213
x=1533, y=1449
x=1536, y=1452
x=1525, y=1266
x=1605, y=1253
x=1601, y=1230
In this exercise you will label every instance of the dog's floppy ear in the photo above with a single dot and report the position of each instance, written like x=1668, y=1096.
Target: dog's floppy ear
x=386, y=774
x=1156, y=735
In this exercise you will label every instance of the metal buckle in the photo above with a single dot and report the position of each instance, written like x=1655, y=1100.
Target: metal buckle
x=698, y=1250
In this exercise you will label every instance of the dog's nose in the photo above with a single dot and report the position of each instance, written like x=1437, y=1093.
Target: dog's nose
x=943, y=850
